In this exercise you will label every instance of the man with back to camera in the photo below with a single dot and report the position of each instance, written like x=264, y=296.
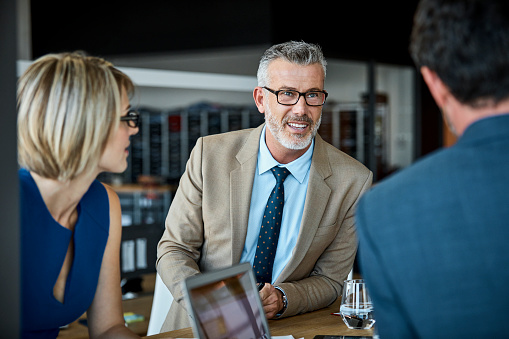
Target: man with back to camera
x=215, y=219
x=433, y=238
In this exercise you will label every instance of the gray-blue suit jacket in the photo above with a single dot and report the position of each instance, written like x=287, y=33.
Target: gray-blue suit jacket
x=434, y=240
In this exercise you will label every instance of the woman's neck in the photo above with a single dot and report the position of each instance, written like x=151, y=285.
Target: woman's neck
x=62, y=198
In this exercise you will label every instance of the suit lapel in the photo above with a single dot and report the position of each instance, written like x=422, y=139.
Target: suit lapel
x=241, y=186
x=317, y=197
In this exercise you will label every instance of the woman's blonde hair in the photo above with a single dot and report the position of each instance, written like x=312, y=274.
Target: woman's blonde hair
x=68, y=106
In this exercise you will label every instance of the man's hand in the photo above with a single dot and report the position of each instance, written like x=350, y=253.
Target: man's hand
x=272, y=300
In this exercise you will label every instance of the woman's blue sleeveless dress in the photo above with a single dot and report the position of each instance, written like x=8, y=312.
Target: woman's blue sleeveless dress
x=44, y=244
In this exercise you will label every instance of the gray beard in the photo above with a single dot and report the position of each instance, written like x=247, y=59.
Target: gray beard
x=291, y=141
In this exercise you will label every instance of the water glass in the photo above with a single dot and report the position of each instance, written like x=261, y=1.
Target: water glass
x=356, y=306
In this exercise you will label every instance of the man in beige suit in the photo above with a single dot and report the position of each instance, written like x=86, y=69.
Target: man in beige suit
x=215, y=217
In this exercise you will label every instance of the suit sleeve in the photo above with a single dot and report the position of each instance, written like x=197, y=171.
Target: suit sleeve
x=325, y=282
x=375, y=270
x=178, y=250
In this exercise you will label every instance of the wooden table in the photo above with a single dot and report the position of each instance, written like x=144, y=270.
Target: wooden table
x=300, y=326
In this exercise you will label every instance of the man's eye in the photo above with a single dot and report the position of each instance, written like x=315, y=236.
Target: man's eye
x=288, y=93
x=312, y=95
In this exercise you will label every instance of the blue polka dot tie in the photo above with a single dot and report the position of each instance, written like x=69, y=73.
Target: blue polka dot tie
x=269, y=231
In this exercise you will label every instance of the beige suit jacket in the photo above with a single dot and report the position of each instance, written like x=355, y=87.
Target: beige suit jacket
x=207, y=222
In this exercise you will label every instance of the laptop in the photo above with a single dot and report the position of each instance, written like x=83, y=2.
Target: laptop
x=225, y=303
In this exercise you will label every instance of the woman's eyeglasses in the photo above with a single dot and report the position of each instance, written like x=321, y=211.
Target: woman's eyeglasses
x=132, y=118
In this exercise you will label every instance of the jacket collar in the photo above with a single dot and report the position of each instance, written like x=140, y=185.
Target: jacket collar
x=486, y=129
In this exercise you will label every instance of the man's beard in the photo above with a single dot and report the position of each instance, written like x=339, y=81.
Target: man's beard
x=290, y=140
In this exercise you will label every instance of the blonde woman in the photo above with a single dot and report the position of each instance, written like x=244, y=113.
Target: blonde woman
x=74, y=122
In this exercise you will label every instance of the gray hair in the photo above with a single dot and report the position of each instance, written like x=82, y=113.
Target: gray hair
x=298, y=52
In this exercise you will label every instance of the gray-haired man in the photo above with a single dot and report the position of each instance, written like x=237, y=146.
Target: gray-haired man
x=216, y=217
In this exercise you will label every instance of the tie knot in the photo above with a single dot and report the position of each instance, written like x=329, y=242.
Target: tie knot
x=280, y=173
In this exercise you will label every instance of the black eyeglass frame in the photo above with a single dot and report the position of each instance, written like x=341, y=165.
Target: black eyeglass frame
x=132, y=118
x=276, y=93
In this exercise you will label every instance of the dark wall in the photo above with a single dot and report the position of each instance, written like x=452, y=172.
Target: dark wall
x=9, y=241
x=362, y=30
x=138, y=27
x=356, y=29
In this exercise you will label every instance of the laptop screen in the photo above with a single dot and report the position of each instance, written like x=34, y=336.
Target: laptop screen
x=226, y=304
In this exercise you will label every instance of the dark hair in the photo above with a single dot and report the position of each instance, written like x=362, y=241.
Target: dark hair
x=466, y=43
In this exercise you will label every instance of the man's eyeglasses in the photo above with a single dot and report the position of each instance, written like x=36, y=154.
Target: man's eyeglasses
x=290, y=97
x=132, y=118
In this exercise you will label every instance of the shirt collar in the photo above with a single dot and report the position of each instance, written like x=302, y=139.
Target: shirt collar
x=299, y=167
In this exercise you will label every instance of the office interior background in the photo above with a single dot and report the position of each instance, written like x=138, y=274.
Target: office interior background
x=365, y=43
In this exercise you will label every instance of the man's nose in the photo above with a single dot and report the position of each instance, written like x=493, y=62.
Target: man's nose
x=301, y=106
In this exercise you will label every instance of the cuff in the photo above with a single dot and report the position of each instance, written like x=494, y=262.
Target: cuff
x=285, y=301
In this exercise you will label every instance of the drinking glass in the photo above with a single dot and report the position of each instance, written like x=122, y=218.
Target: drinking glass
x=356, y=306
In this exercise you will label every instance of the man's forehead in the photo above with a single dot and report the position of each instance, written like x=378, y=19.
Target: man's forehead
x=282, y=72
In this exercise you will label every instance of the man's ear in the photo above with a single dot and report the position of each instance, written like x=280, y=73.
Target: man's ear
x=438, y=89
x=258, y=98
